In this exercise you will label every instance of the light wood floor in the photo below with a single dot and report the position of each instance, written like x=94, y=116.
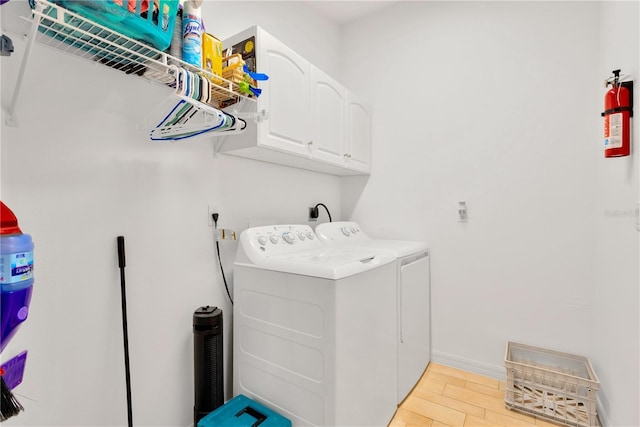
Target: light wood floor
x=446, y=396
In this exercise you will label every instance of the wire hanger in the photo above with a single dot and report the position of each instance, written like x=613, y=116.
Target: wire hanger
x=192, y=115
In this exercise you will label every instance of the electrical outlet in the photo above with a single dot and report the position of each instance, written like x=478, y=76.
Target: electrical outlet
x=210, y=211
x=463, y=213
x=313, y=215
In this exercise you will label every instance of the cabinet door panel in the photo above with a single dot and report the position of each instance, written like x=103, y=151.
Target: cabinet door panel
x=285, y=97
x=328, y=100
x=358, y=134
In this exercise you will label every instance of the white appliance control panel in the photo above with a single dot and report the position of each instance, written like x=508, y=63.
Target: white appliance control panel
x=296, y=249
x=280, y=239
x=341, y=232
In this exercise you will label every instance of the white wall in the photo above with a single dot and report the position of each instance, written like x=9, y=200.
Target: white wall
x=617, y=321
x=494, y=103
x=498, y=104
x=77, y=174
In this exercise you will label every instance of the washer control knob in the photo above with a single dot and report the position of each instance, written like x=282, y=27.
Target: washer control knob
x=273, y=238
x=310, y=235
x=354, y=230
x=262, y=240
x=345, y=231
x=301, y=236
x=288, y=237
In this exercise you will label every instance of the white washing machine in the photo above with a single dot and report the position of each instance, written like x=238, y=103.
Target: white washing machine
x=313, y=330
x=413, y=300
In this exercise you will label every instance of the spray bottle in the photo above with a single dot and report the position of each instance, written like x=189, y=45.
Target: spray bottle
x=192, y=32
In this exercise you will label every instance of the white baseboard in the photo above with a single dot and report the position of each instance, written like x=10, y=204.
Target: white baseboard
x=469, y=365
x=493, y=371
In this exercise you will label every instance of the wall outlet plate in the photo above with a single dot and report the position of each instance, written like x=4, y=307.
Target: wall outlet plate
x=463, y=213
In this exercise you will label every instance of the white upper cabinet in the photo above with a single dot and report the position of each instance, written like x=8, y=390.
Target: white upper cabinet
x=358, y=142
x=285, y=96
x=328, y=102
x=305, y=119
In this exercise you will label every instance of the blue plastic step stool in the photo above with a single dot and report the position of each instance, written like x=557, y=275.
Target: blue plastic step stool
x=243, y=412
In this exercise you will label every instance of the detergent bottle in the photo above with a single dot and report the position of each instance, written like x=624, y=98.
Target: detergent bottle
x=192, y=32
x=16, y=274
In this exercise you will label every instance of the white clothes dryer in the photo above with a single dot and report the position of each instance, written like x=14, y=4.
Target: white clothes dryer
x=413, y=296
x=313, y=331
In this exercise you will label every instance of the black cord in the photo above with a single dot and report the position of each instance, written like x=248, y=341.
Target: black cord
x=122, y=264
x=224, y=279
x=325, y=208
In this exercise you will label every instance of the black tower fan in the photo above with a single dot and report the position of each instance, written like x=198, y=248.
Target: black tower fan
x=207, y=361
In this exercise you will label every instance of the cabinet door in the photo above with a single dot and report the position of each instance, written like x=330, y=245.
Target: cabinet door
x=328, y=101
x=358, y=134
x=285, y=97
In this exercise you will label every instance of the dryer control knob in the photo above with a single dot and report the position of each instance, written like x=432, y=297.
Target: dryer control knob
x=288, y=237
x=345, y=231
x=301, y=236
x=310, y=235
x=354, y=230
x=262, y=240
x=273, y=238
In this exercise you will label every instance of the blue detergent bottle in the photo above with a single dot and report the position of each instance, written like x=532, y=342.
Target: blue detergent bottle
x=16, y=275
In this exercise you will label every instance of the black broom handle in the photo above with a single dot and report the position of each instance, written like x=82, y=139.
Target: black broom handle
x=122, y=264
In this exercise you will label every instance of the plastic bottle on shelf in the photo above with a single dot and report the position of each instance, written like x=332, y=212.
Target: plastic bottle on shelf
x=192, y=32
x=16, y=274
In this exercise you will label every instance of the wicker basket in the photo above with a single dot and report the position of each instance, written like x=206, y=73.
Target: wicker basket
x=556, y=386
x=232, y=68
x=233, y=74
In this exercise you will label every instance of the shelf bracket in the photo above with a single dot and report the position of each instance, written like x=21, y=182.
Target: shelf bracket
x=256, y=117
x=11, y=113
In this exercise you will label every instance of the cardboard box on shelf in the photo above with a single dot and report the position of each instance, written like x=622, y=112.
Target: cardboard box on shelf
x=211, y=54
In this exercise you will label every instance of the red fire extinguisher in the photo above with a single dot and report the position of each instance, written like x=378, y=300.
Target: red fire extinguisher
x=618, y=110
